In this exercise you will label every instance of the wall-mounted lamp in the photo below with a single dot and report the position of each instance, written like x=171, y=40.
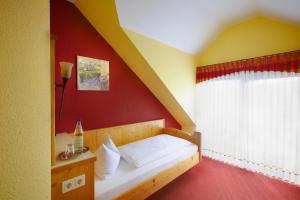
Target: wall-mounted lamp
x=65, y=73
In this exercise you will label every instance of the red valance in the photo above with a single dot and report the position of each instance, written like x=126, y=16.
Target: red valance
x=283, y=62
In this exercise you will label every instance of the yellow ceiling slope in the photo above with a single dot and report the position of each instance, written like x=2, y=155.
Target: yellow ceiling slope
x=175, y=68
x=255, y=37
x=103, y=16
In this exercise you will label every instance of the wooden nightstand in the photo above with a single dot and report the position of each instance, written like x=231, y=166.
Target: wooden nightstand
x=68, y=170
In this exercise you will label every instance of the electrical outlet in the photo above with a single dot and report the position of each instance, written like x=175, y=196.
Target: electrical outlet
x=79, y=181
x=67, y=185
x=73, y=183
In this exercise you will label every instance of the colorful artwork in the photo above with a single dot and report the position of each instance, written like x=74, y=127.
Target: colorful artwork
x=92, y=74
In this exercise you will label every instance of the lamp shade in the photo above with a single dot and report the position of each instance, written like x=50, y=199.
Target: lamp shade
x=65, y=69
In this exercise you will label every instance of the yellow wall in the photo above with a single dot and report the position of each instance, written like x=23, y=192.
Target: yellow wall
x=255, y=37
x=103, y=16
x=24, y=100
x=175, y=68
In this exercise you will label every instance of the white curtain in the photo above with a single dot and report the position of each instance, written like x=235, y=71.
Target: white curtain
x=252, y=120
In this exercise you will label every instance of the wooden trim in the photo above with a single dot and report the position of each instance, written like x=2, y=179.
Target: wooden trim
x=192, y=137
x=52, y=88
x=158, y=181
x=53, y=37
x=123, y=134
x=72, y=165
x=197, y=137
x=92, y=180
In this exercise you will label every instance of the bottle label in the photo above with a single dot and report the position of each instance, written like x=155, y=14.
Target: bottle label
x=78, y=143
x=78, y=140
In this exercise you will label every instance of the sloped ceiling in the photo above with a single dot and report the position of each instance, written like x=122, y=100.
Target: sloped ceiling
x=260, y=35
x=162, y=40
x=103, y=16
x=189, y=25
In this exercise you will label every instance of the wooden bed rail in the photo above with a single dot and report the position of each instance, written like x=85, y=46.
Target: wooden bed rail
x=156, y=182
x=125, y=134
x=192, y=137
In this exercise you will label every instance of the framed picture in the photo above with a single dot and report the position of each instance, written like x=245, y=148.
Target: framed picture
x=92, y=74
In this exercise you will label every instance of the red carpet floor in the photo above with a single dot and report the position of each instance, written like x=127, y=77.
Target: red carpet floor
x=213, y=180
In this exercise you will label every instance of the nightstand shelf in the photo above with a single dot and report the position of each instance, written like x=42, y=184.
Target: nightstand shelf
x=65, y=170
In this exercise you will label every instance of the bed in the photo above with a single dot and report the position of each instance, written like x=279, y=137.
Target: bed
x=131, y=182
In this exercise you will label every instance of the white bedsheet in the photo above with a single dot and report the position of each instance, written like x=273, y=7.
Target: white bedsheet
x=154, y=147
x=128, y=176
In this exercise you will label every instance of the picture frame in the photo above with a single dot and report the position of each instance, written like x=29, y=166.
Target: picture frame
x=92, y=74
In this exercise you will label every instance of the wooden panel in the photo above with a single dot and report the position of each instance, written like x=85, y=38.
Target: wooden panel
x=123, y=134
x=72, y=165
x=85, y=192
x=192, y=137
x=153, y=184
x=52, y=87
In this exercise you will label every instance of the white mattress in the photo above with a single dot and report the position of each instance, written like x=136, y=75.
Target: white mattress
x=127, y=176
x=153, y=147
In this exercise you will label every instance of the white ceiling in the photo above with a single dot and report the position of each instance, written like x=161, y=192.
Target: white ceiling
x=189, y=25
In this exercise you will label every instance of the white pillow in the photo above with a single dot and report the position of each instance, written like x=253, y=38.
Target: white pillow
x=110, y=144
x=107, y=162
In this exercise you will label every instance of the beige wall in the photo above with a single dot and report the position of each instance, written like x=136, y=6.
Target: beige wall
x=24, y=100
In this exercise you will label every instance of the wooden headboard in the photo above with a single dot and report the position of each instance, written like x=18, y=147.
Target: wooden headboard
x=123, y=134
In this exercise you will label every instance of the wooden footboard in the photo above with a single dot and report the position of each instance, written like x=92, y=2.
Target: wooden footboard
x=192, y=137
x=158, y=181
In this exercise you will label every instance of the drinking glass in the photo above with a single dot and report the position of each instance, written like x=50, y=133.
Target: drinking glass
x=70, y=150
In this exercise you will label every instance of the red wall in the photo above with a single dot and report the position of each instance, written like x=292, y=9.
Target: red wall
x=128, y=99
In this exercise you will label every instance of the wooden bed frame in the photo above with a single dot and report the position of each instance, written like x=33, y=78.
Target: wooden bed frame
x=132, y=132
